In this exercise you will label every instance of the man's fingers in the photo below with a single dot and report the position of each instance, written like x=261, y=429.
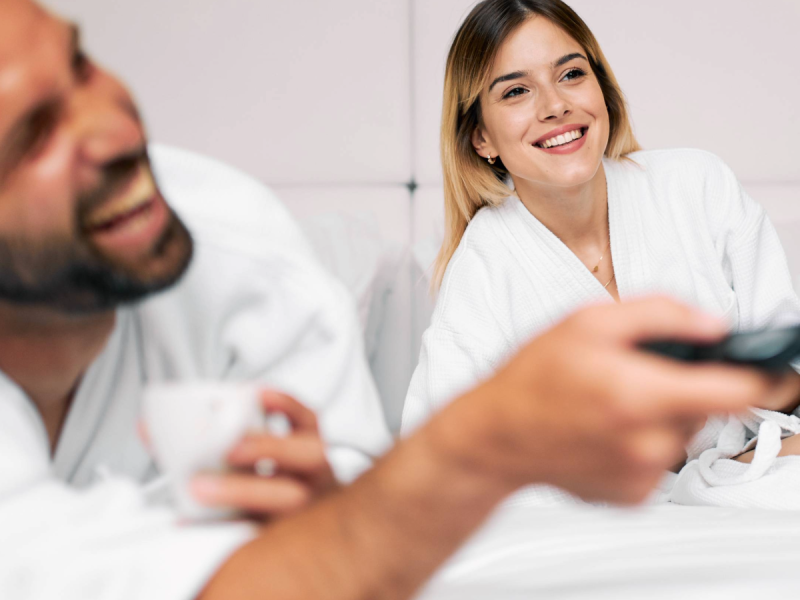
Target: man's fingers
x=295, y=454
x=278, y=495
x=671, y=388
x=652, y=318
x=656, y=448
x=301, y=418
x=694, y=426
x=785, y=394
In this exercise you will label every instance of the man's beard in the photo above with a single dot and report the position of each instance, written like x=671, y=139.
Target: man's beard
x=72, y=276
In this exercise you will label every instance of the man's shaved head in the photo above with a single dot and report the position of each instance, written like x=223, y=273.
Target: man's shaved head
x=83, y=226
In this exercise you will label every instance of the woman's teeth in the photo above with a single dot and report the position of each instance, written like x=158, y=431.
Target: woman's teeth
x=560, y=140
x=141, y=193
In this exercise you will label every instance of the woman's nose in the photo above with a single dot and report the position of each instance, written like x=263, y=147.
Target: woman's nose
x=553, y=105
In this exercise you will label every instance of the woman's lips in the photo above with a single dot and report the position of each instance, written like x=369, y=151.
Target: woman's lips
x=568, y=148
x=560, y=131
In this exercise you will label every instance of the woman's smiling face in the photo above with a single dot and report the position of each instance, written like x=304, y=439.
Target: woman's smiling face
x=543, y=111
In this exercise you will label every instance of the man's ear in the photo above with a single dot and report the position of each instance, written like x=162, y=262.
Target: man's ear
x=482, y=144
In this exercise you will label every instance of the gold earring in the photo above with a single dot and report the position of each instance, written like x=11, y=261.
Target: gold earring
x=490, y=159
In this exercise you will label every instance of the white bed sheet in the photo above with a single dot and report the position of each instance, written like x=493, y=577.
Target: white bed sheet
x=665, y=551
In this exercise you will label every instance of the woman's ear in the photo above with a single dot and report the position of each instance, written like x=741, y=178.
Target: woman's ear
x=482, y=144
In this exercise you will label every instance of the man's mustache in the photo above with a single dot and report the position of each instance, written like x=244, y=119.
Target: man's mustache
x=116, y=175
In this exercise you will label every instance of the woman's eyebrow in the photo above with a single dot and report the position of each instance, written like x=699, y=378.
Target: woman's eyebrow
x=509, y=77
x=568, y=57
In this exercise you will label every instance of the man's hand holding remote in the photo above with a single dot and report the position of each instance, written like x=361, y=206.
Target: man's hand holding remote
x=581, y=407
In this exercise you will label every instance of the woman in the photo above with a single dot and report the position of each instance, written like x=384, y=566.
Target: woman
x=550, y=205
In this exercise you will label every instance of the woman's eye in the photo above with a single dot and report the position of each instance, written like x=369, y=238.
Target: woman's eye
x=573, y=74
x=517, y=91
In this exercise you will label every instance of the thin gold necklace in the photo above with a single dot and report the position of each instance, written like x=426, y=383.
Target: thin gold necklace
x=597, y=266
x=602, y=256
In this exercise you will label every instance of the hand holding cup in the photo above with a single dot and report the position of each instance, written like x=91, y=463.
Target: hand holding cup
x=231, y=448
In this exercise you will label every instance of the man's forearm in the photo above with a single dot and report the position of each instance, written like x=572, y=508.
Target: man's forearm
x=565, y=411
x=382, y=537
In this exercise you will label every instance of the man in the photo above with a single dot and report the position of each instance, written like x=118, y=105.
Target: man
x=84, y=232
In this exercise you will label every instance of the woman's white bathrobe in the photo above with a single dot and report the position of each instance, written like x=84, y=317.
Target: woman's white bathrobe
x=680, y=223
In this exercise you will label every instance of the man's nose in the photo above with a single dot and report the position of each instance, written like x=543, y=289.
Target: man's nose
x=106, y=126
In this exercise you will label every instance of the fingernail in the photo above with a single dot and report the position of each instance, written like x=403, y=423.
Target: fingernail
x=709, y=323
x=144, y=434
x=205, y=487
x=270, y=395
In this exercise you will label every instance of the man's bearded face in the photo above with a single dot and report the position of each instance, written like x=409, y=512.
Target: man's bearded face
x=83, y=226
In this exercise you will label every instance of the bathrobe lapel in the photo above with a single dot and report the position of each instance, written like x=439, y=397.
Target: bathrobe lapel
x=558, y=277
x=627, y=185
x=100, y=428
x=656, y=247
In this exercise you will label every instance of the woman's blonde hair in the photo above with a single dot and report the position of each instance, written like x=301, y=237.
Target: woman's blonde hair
x=470, y=183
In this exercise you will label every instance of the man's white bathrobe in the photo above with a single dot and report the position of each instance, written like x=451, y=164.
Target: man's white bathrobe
x=680, y=224
x=254, y=306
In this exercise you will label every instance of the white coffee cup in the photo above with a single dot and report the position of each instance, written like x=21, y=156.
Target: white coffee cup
x=192, y=426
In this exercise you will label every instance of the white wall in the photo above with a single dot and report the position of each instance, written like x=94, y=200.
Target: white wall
x=336, y=103
x=348, y=92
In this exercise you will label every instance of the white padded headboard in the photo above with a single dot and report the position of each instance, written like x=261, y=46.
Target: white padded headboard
x=337, y=104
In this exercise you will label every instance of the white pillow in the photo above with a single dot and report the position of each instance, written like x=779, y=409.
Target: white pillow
x=349, y=246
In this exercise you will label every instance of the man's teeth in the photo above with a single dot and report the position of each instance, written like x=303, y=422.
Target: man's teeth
x=560, y=140
x=140, y=194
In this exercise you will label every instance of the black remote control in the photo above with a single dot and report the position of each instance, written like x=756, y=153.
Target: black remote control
x=769, y=349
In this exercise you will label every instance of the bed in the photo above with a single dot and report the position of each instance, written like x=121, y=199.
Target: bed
x=665, y=551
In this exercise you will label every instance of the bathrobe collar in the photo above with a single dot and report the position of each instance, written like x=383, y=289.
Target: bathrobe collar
x=547, y=256
x=100, y=425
